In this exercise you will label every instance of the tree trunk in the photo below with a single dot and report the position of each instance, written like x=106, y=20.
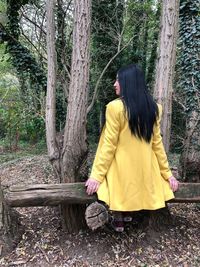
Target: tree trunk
x=189, y=165
x=5, y=223
x=8, y=219
x=52, y=146
x=10, y=227
x=188, y=84
x=165, y=64
x=4, y=217
x=68, y=151
x=75, y=148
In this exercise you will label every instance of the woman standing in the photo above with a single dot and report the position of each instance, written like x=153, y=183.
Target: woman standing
x=130, y=171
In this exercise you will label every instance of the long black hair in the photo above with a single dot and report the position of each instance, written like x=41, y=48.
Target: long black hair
x=140, y=107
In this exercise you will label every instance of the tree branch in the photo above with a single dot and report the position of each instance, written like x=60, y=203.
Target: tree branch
x=34, y=23
x=100, y=77
x=37, y=50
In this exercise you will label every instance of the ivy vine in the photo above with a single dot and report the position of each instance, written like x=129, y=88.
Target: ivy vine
x=188, y=60
x=26, y=65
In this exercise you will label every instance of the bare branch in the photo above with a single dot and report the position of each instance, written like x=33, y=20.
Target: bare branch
x=66, y=69
x=34, y=23
x=104, y=70
x=40, y=35
x=67, y=8
x=36, y=49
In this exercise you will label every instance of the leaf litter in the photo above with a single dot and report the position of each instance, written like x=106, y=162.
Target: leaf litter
x=44, y=243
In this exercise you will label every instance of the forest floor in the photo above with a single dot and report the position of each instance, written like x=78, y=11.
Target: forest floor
x=42, y=241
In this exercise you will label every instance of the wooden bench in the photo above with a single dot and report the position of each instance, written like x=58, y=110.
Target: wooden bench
x=75, y=193
x=55, y=194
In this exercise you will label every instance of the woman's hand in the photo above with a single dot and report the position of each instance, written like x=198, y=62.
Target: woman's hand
x=92, y=186
x=173, y=183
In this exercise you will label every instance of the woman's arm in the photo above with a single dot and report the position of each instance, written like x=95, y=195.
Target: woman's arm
x=106, y=148
x=109, y=141
x=158, y=148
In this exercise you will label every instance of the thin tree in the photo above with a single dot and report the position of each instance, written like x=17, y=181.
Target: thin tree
x=165, y=64
x=53, y=150
x=68, y=152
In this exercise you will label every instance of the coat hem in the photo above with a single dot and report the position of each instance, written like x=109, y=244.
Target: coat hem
x=142, y=208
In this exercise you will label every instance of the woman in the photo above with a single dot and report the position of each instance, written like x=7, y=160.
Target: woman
x=130, y=171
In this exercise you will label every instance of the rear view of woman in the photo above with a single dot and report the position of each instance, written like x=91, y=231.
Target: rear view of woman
x=130, y=170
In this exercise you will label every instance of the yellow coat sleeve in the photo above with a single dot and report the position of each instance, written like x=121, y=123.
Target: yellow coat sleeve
x=107, y=144
x=158, y=148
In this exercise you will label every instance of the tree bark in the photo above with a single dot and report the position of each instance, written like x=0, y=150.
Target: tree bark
x=53, y=150
x=68, y=151
x=10, y=227
x=4, y=213
x=3, y=223
x=75, y=148
x=165, y=64
x=8, y=218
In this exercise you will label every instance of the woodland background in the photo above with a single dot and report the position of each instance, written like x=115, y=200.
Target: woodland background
x=120, y=32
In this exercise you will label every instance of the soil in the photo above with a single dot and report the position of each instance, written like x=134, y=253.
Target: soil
x=41, y=241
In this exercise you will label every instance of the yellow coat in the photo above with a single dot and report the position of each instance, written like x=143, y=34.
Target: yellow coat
x=133, y=173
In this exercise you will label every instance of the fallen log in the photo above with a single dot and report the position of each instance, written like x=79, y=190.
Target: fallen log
x=55, y=194
x=47, y=195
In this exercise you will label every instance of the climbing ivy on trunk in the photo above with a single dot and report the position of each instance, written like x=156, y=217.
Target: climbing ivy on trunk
x=188, y=84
